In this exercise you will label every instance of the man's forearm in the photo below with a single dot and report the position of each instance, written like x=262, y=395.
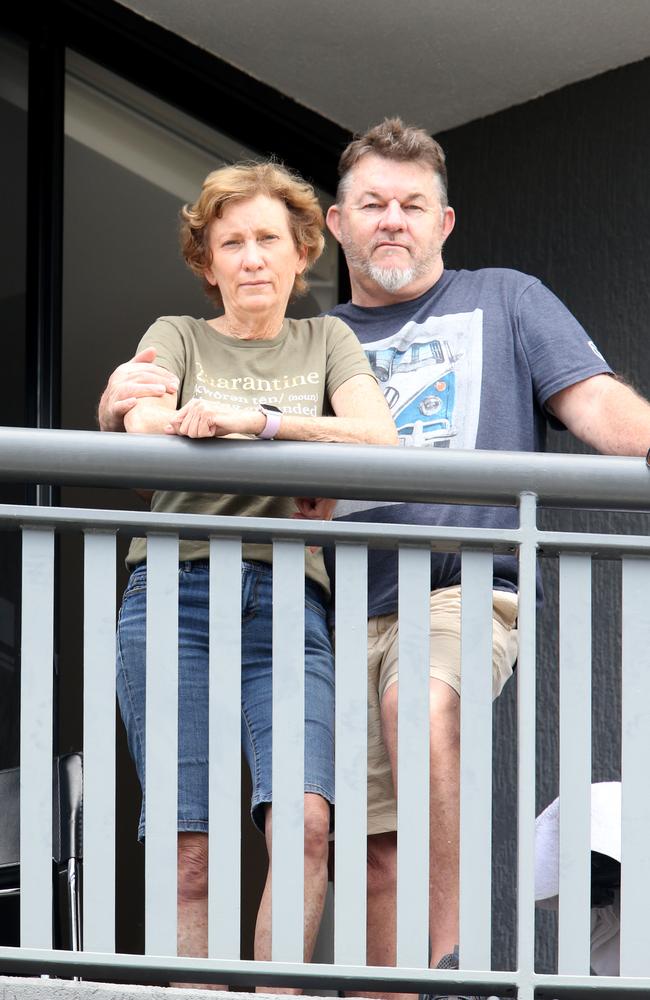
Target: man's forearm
x=136, y=379
x=148, y=416
x=606, y=414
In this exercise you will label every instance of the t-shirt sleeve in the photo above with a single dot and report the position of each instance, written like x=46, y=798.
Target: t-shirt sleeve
x=166, y=336
x=559, y=351
x=345, y=355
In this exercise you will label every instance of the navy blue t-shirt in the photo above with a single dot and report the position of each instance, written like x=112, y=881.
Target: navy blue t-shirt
x=469, y=364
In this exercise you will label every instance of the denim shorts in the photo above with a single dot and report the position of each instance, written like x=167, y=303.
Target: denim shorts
x=193, y=577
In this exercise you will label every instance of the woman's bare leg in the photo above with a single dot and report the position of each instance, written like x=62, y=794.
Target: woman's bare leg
x=317, y=819
x=192, y=933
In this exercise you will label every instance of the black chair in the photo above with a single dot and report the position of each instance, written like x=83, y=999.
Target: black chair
x=67, y=812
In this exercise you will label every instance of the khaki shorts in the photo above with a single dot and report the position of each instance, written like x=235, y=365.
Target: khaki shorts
x=444, y=661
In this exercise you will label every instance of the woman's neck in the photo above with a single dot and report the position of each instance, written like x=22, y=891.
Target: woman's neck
x=248, y=327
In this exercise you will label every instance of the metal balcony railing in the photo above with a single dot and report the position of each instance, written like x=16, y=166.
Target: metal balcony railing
x=345, y=471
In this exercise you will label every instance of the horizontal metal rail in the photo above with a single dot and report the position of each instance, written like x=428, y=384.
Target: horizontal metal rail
x=292, y=468
x=151, y=969
x=345, y=471
x=379, y=536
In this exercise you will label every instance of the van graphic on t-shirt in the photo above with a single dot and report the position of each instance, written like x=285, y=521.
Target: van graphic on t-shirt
x=421, y=391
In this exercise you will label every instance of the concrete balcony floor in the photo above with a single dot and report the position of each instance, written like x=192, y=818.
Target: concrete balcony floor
x=28, y=988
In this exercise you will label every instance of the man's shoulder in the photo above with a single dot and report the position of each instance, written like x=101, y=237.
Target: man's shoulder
x=492, y=277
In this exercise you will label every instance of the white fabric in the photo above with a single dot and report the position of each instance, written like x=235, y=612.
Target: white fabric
x=606, y=939
x=605, y=835
x=605, y=839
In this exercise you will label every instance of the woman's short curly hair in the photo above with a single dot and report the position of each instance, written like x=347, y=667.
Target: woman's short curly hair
x=237, y=183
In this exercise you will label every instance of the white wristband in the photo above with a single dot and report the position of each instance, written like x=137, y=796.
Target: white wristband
x=273, y=421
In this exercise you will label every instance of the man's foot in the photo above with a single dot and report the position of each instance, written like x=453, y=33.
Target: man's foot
x=450, y=961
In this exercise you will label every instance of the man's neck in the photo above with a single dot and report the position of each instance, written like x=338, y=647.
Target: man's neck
x=367, y=293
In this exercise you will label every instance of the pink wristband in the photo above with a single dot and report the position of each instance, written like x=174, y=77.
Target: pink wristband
x=272, y=426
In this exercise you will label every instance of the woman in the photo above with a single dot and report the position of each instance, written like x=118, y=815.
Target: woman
x=251, y=236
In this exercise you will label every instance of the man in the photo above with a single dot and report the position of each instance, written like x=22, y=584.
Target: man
x=468, y=360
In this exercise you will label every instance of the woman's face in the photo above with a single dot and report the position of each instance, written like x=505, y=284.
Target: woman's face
x=254, y=258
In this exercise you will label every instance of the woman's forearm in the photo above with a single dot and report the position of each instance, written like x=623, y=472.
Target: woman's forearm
x=379, y=430
x=149, y=416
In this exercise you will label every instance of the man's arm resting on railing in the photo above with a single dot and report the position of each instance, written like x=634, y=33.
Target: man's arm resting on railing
x=606, y=414
x=133, y=380
x=150, y=415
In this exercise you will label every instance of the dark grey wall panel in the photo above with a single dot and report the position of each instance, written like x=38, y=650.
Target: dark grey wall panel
x=559, y=188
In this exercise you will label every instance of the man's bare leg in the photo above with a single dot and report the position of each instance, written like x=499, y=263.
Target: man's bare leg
x=444, y=807
x=192, y=932
x=444, y=832
x=317, y=819
x=381, y=920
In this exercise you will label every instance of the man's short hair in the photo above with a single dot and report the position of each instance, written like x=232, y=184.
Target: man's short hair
x=394, y=140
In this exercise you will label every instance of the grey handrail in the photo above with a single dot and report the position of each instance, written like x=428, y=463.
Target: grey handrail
x=292, y=468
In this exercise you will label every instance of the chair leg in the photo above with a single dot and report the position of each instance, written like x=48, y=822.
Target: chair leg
x=74, y=905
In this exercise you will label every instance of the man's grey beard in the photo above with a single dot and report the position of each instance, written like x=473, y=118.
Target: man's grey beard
x=391, y=279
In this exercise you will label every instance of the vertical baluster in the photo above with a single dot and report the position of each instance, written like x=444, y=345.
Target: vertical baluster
x=575, y=765
x=526, y=721
x=224, y=842
x=635, y=753
x=413, y=759
x=36, y=707
x=161, y=744
x=99, y=742
x=476, y=761
x=351, y=754
x=288, y=750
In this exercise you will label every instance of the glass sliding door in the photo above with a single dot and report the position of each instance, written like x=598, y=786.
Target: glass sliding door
x=13, y=199
x=131, y=161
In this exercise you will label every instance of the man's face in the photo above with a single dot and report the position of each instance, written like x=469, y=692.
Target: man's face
x=392, y=227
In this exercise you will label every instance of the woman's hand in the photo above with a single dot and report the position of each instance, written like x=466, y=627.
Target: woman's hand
x=200, y=418
x=314, y=508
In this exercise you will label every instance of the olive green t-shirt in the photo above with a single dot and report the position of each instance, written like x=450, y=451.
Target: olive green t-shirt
x=297, y=371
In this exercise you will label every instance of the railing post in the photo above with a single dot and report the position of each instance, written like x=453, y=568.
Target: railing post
x=351, y=650
x=575, y=764
x=224, y=841
x=526, y=723
x=161, y=763
x=36, y=732
x=288, y=766
x=635, y=754
x=476, y=761
x=99, y=742
x=413, y=758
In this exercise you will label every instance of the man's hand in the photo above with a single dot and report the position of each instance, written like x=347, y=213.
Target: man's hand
x=129, y=382
x=314, y=508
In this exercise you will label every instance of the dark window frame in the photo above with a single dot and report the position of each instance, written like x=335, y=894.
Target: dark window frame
x=171, y=68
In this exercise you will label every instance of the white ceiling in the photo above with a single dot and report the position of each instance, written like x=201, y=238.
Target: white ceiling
x=438, y=63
